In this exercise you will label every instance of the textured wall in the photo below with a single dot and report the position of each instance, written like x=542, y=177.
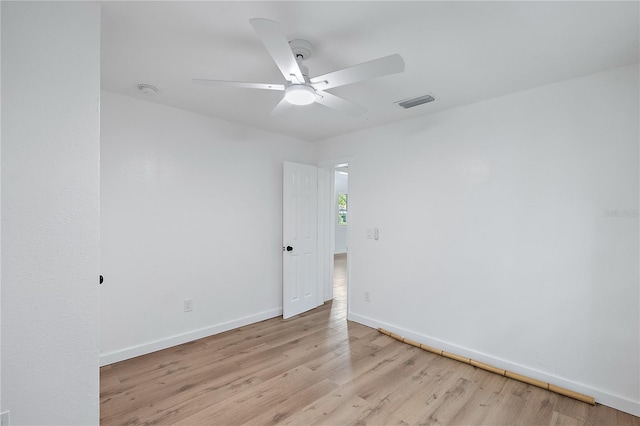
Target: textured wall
x=0, y=215
x=50, y=212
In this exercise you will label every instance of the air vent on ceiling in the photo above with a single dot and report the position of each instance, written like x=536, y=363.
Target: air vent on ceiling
x=410, y=103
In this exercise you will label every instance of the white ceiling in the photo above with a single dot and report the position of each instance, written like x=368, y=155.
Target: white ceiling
x=461, y=52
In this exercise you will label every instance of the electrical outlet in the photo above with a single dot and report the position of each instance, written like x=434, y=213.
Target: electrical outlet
x=188, y=305
x=4, y=419
x=367, y=296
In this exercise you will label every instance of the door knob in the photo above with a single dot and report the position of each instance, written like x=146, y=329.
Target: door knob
x=289, y=248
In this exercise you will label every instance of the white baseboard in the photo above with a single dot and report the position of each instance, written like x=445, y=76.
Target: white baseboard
x=602, y=397
x=156, y=345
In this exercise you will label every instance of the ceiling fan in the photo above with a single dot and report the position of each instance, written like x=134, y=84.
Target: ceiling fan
x=298, y=88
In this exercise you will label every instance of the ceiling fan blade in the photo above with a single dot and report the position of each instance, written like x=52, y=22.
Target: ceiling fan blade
x=339, y=104
x=391, y=64
x=241, y=84
x=282, y=106
x=278, y=47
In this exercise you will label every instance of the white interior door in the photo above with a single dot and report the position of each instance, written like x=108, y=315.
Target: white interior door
x=299, y=239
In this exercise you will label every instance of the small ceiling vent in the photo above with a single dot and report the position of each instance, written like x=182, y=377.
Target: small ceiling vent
x=410, y=103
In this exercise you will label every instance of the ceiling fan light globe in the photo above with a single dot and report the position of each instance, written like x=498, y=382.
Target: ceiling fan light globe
x=299, y=94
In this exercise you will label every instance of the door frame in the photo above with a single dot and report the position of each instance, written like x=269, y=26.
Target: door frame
x=326, y=229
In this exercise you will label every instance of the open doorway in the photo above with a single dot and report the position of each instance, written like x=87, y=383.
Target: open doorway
x=341, y=232
x=334, y=223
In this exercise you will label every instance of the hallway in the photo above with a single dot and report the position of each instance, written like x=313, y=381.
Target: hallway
x=340, y=283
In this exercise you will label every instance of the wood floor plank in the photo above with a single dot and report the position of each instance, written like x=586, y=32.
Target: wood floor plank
x=382, y=340
x=372, y=362
x=338, y=362
x=304, y=355
x=246, y=405
x=439, y=398
x=509, y=403
x=319, y=368
x=359, y=330
x=336, y=407
x=174, y=385
x=174, y=363
x=602, y=415
x=538, y=407
x=398, y=375
x=569, y=407
x=189, y=402
x=480, y=403
x=404, y=399
x=558, y=419
x=281, y=412
x=346, y=413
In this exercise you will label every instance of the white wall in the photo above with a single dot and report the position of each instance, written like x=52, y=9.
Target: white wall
x=341, y=187
x=507, y=255
x=50, y=212
x=0, y=212
x=191, y=209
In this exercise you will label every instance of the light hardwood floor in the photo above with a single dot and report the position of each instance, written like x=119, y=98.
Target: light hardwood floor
x=320, y=369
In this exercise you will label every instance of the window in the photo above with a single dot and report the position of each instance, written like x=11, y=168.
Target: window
x=342, y=209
